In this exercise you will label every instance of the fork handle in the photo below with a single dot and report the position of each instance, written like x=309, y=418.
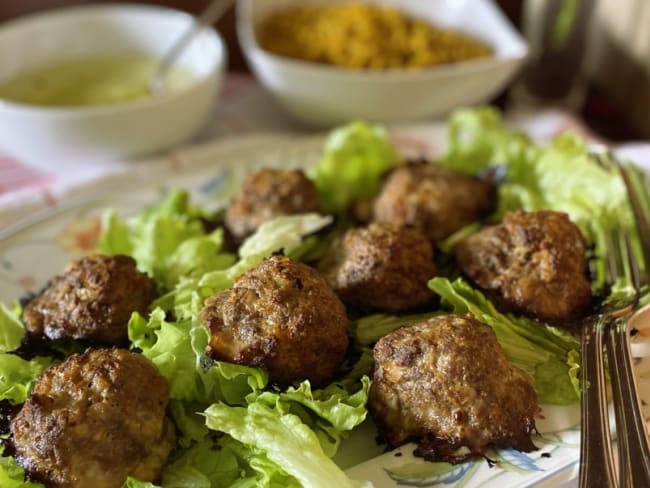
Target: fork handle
x=633, y=448
x=596, y=460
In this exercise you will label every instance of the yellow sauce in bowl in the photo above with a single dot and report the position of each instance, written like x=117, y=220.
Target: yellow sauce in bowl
x=96, y=80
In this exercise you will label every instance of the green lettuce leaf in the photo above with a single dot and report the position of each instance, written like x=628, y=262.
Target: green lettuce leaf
x=330, y=412
x=12, y=475
x=12, y=330
x=177, y=349
x=478, y=139
x=133, y=483
x=369, y=329
x=221, y=464
x=354, y=159
x=154, y=236
x=18, y=376
x=286, y=233
x=548, y=354
x=195, y=257
x=561, y=176
x=284, y=439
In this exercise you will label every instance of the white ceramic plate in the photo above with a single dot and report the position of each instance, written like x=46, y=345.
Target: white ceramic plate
x=36, y=249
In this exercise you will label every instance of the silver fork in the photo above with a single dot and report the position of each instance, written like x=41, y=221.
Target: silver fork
x=633, y=446
x=596, y=459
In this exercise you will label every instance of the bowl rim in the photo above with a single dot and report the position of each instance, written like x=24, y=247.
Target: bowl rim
x=196, y=81
x=251, y=48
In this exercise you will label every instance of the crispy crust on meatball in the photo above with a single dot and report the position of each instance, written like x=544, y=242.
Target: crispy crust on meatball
x=436, y=200
x=270, y=193
x=381, y=267
x=533, y=262
x=93, y=299
x=94, y=420
x=446, y=383
x=281, y=316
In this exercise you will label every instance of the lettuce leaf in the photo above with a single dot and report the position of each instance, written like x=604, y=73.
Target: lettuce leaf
x=369, y=329
x=548, y=354
x=12, y=475
x=12, y=330
x=478, y=139
x=228, y=463
x=561, y=176
x=18, y=376
x=157, y=238
x=283, y=438
x=177, y=349
x=355, y=157
x=286, y=233
x=330, y=412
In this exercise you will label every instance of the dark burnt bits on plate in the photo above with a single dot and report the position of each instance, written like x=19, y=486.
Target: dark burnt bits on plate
x=434, y=199
x=268, y=193
x=380, y=267
x=283, y=317
x=446, y=384
x=94, y=420
x=533, y=263
x=91, y=300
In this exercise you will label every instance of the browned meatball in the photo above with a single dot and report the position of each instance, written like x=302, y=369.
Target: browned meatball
x=532, y=263
x=436, y=200
x=270, y=193
x=446, y=383
x=281, y=316
x=94, y=420
x=382, y=267
x=93, y=299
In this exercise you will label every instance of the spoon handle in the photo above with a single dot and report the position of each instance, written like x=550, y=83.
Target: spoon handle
x=212, y=13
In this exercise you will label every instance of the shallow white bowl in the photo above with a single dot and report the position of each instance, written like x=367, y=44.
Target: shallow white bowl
x=325, y=95
x=43, y=136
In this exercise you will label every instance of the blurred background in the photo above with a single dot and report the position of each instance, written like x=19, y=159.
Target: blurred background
x=602, y=72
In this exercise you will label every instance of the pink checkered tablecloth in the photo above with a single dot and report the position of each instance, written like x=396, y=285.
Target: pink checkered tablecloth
x=243, y=108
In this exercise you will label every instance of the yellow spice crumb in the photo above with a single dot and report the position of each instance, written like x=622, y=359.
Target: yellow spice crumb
x=362, y=36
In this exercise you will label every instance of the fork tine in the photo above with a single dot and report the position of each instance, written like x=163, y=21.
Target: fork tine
x=633, y=447
x=596, y=459
x=640, y=208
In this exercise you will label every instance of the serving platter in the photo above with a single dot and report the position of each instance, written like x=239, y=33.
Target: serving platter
x=34, y=249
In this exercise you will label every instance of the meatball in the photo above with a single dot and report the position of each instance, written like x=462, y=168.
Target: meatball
x=270, y=193
x=281, y=316
x=436, y=200
x=381, y=267
x=94, y=420
x=93, y=299
x=532, y=263
x=446, y=383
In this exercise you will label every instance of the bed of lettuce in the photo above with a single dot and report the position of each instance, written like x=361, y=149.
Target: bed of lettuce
x=237, y=430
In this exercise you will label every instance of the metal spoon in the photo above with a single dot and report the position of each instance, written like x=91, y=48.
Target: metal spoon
x=212, y=13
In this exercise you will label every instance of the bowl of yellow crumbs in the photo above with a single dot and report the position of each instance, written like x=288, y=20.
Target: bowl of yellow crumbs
x=330, y=61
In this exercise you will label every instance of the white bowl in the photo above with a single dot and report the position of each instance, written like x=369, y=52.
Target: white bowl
x=324, y=96
x=42, y=136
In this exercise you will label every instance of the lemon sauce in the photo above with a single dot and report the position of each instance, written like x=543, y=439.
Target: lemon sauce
x=95, y=80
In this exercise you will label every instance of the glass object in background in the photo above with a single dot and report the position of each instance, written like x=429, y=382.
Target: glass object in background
x=556, y=31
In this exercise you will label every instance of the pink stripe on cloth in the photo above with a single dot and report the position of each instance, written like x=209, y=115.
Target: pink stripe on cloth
x=15, y=175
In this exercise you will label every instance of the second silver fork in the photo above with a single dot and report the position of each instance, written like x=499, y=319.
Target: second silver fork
x=596, y=468
x=596, y=459
x=633, y=446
